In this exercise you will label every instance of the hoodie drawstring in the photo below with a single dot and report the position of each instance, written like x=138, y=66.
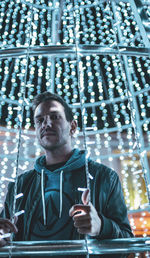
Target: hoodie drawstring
x=61, y=186
x=43, y=197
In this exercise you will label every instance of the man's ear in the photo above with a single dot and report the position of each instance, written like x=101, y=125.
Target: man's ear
x=73, y=127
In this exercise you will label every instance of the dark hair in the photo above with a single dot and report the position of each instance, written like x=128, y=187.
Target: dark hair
x=42, y=97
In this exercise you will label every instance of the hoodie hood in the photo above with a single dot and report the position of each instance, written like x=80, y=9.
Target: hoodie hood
x=76, y=161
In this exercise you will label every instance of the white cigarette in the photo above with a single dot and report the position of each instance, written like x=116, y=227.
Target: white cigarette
x=19, y=213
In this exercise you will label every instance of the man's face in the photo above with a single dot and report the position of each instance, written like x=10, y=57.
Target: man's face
x=52, y=128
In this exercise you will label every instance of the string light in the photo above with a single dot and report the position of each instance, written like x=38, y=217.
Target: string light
x=106, y=113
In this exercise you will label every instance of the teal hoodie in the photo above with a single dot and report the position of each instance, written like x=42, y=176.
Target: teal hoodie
x=59, y=193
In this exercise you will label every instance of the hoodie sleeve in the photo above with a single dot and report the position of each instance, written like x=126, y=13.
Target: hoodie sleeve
x=112, y=208
x=8, y=204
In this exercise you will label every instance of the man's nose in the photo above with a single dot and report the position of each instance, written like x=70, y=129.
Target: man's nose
x=47, y=122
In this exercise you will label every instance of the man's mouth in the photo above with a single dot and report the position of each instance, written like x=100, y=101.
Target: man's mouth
x=48, y=134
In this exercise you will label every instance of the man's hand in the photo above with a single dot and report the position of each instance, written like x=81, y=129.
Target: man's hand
x=6, y=226
x=85, y=217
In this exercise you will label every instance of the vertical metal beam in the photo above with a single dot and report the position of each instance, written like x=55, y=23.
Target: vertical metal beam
x=131, y=88
x=142, y=20
x=54, y=37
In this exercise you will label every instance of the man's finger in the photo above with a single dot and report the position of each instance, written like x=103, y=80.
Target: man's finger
x=85, y=197
x=85, y=223
x=3, y=242
x=84, y=230
x=5, y=236
x=79, y=208
x=7, y=225
x=81, y=217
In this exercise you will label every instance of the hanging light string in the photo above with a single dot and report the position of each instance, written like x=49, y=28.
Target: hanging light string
x=80, y=81
x=23, y=89
x=133, y=114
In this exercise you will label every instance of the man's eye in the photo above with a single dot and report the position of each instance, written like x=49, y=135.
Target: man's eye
x=39, y=121
x=54, y=117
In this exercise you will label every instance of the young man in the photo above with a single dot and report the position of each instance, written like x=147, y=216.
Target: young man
x=51, y=200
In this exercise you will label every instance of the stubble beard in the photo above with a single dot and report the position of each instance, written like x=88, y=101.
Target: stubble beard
x=52, y=146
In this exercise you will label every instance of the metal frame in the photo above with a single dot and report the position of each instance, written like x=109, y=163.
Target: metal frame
x=76, y=247
x=87, y=105
x=70, y=51
x=142, y=20
x=138, y=130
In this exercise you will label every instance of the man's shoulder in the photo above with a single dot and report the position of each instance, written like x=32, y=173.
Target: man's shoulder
x=27, y=174
x=101, y=169
x=24, y=178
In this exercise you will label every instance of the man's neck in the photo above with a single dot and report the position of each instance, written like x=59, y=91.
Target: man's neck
x=55, y=156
